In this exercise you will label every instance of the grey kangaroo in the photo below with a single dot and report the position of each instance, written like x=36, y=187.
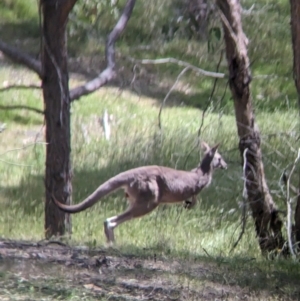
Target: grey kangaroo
x=148, y=186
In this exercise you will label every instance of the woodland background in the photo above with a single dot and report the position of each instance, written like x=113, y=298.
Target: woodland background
x=157, y=113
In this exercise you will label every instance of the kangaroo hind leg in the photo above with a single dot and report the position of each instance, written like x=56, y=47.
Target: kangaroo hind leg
x=137, y=209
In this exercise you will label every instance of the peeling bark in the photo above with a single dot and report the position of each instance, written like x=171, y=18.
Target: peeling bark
x=264, y=211
x=295, y=28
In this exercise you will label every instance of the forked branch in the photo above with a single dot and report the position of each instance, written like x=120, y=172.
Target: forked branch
x=109, y=72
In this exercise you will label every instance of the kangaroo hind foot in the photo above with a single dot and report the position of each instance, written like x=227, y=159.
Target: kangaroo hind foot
x=138, y=209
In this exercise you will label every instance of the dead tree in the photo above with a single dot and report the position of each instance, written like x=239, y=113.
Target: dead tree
x=295, y=28
x=265, y=214
x=53, y=71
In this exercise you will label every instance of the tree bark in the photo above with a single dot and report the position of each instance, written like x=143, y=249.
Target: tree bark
x=55, y=84
x=265, y=214
x=295, y=28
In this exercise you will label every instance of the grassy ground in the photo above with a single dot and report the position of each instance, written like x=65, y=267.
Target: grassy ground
x=136, y=140
x=206, y=233
x=201, y=237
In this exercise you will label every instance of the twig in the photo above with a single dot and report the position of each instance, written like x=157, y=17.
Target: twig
x=21, y=107
x=168, y=94
x=21, y=148
x=206, y=252
x=289, y=207
x=109, y=72
x=204, y=111
x=198, y=71
x=210, y=97
x=9, y=87
x=15, y=164
x=17, y=149
x=244, y=217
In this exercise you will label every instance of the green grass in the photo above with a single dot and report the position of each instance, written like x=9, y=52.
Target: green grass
x=204, y=235
x=136, y=140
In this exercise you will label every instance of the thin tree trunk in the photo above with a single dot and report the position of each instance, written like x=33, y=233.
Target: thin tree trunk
x=267, y=223
x=295, y=28
x=57, y=114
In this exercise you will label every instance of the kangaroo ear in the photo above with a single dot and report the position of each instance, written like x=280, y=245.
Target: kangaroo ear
x=205, y=146
x=214, y=149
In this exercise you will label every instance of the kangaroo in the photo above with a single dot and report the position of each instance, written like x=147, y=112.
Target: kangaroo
x=148, y=186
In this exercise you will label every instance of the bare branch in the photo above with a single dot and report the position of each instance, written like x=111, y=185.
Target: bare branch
x=168, y=94
x=109, y=72
x=198, y=71
x=21, y=107
x=10, y=87
x=22, y=58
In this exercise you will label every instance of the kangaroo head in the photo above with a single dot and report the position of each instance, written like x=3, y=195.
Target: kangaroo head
x=212, y=157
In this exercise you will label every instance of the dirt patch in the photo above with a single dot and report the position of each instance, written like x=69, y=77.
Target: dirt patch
x=58, y=272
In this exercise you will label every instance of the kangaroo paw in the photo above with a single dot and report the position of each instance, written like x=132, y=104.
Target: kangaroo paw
x=109, y=233
x=187, y=204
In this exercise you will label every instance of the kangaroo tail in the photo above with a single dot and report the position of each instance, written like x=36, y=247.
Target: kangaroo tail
x=104, y=189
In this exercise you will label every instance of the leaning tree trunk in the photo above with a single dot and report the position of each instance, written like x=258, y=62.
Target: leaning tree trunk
x=264, y=211
x=57, y=114
x=295, y=28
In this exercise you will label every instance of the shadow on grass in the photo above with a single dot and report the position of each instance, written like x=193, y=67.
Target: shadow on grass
x=137, y=271
x=134, y=270
x=253, y=275
x=256, y=275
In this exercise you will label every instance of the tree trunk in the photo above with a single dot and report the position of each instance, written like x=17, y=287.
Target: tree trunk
x=295, y=28
x=57, y=114
x=264, y=211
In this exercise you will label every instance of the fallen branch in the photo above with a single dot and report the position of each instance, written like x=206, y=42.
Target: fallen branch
x=18, y=107
x=22, y=58
x=180, y=63
x=109, y=72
